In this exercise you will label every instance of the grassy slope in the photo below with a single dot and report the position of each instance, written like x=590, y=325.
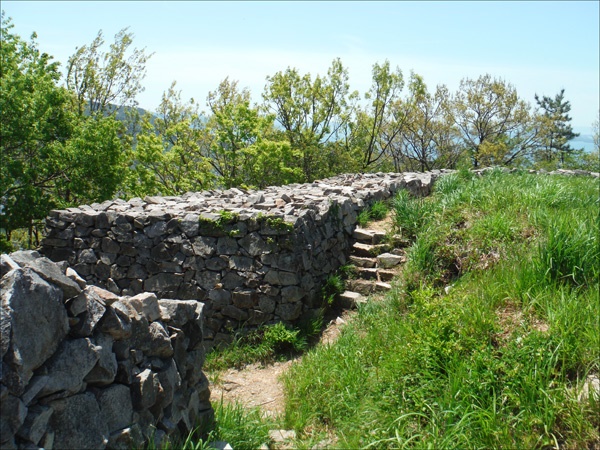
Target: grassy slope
x=495, y=362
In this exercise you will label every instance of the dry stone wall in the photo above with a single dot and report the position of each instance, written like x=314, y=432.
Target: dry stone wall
x=250, y=257
x=85, y=368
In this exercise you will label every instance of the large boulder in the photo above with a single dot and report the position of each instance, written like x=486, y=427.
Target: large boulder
x=77, y=422
x=37, y=321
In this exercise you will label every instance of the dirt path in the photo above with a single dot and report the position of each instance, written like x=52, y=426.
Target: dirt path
x=257, y=385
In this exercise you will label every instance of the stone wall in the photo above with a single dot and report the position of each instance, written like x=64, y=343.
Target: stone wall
x=251, y=257
x=85, y=368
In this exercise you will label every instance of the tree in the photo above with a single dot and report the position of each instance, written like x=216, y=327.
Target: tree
x=95, y=161
x=379, y=124
x=170, y=153
x=428, y=136
x=311, y=113
x=50, y=156
x=106, y=81
x=556, y=131
x=493, y=122
x=35, y=125
x=244, y=149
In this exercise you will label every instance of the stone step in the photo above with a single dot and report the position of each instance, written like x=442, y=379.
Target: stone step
x=386, y=275
x=368, y=250
x=350, y=299
x=360, y=261
x=387, y=260
x=368, y=236
x=368, y=273
x=366, y=287
x=375, y=274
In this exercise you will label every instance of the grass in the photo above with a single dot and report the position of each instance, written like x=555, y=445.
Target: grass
x=498, y=360
x=266, y=344
x=240, y=427
x=376, y=211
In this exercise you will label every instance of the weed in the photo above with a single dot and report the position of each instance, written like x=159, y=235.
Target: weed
x=277, y=223
x=376, y=211
x=334, y=285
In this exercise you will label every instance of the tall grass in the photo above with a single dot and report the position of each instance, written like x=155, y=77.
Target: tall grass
x=497, y=359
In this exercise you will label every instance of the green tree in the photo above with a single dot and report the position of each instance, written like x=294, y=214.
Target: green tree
x=244, y=149
x=312, y=113
x=494, y=124
x=429, y=139
x=104, y=81
x=556, y=130
x=95, y=161
x=51, y=157
x=35, y=125
x=378, y=125
x=170, y=153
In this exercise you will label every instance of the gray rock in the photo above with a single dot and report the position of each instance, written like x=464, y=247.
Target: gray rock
x=50, y=272
x=36, y=423
x=87, y=256
x=170, y=381
x=234, y=313
x=227, y=246
x=388, y=260
x=288, y=278
x=24, y=257
x=289, y=311
x=204, y=246
x=290, y=294
x=266, y=304
x=73, y=275
x=217, y=263
x=67, y=369
x=105, y=370
x=158, y=342
x=25, y=295
x=207, y=279
x=189, y=225
x=12, y=415
x=77, y=423
x=5, y=328
x=155, y=230
x=144, y=390
x=232, y=281
x=177, y=312
x=145, y=304
x=126, y=439
x=116, y=321
x=116, y=407
x=89, y=308
x=163, y=282
x=254, y=244
x=245, y=299
x=7, y=264
x=36, y=384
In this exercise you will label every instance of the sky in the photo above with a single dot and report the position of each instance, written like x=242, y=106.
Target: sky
x=538, y=47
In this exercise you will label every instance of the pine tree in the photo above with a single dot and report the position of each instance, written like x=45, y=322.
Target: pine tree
x=556, y=129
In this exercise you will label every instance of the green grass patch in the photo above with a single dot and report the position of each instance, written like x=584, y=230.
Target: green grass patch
x=266, y=344
x=377, y=211
x=498, y=358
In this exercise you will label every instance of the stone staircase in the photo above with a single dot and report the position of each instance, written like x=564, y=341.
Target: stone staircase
x=376, y=263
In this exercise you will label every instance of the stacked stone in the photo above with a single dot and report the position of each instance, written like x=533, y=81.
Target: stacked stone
x=251, y=256
x=85, y=368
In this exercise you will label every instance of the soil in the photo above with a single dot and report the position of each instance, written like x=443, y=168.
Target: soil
x=258, y=385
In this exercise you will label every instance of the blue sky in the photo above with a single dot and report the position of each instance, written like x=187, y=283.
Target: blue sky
x=539, y=47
